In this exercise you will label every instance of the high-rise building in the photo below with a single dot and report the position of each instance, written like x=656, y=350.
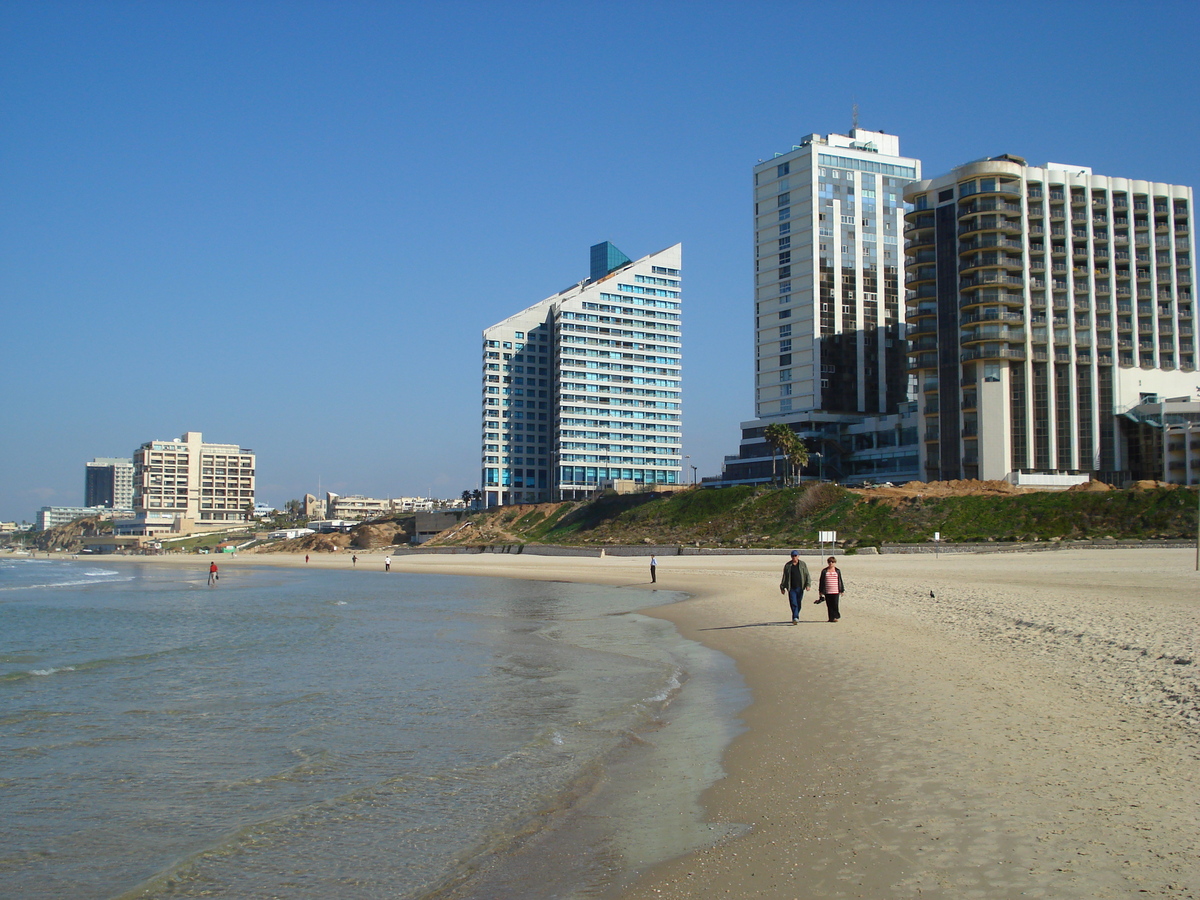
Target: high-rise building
x=108, y=482
x=829, y=307
x=583, y=389
x=186, y=483
x=1045, y=304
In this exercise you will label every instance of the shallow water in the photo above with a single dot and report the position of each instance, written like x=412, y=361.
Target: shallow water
x=352, y=734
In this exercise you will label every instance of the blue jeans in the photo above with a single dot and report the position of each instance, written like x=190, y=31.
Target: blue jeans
x=795, y=595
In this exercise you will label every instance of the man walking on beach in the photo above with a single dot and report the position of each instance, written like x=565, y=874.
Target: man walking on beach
x=387, y=564
x=653, y=569
x=795, y=582
x=212, y=574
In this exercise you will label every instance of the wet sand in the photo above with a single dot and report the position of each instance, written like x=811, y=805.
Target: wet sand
x=1033, y=729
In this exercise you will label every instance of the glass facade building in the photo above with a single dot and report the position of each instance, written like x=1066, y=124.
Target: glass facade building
x=583, y=388
x=829, y=357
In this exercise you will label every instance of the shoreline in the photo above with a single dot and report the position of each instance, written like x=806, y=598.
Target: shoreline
x=1033, y=729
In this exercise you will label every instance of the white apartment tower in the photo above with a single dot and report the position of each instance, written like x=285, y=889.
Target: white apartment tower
x=583, y=388
x=108, y=482
x=1045, y=304
x=828, y=308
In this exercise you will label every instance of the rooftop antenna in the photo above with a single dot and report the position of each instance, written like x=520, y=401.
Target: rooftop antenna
x=854, y=118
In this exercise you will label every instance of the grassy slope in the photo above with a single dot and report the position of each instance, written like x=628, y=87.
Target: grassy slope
x=747, y=516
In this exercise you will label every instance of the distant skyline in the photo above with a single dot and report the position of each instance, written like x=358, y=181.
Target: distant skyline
x=280, y=224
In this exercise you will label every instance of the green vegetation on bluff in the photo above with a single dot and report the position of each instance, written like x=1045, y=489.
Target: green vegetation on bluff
x=777, y=517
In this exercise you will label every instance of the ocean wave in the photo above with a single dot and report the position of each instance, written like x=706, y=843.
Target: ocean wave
x=59, y=584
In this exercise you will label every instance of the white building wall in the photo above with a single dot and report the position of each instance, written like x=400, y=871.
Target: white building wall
x=586, y=384
x=838, y=198
x=1096, y=310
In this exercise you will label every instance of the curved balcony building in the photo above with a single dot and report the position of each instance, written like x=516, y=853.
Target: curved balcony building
x=1010, y=271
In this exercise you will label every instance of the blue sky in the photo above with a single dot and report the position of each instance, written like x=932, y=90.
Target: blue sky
x=285, y=224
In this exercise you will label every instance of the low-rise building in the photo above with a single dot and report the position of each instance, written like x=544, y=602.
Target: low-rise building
x=53, y=516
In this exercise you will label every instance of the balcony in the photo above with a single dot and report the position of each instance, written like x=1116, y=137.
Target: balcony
x=981, y=206
x=991, y=315
x=924, y=273
x=983, y=278
x=993, y=351
x=993, y=333
x=990, y=223
x=987, y=242
x=992, y=261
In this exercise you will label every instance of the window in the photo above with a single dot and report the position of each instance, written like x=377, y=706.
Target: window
x=783, y=199
x=785, y=374
x=782, y=169
x=785, y=346
x=785, y=314
x=784, y=243
x=785, y=213
x=785, y=228
x=943, y=196
x=784, y=331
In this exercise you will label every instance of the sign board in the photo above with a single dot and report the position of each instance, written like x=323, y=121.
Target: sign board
x=937, y=535
x=827, y=537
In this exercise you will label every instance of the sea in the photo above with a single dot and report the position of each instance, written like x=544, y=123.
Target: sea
x=317, y=733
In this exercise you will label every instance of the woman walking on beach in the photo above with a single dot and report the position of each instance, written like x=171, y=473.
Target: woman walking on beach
x=831, y=588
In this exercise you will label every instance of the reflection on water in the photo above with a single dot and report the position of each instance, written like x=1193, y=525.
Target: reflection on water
x=350, y=734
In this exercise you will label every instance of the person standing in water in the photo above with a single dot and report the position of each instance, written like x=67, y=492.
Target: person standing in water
x=212, y=574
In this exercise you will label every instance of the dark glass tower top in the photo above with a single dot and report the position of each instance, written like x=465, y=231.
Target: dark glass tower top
x=606, y=258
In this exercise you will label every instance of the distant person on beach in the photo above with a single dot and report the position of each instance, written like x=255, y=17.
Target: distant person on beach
x=306, y=559
x=387, y=564
x=831, y=589
x=354, y=560
x=795, y=582
x=653, y=569
x=212, y=574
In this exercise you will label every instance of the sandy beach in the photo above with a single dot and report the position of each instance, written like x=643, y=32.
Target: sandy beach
x=1031, y=729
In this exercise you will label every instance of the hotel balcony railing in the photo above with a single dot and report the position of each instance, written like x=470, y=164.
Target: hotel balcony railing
x=993, y=352
x=990, y=278
x=980, y=206
x=993, y=333
x=987, y=242
x=990, y=223
x=991, y=316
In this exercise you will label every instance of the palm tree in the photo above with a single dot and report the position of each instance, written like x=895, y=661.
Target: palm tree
x=785, y=441
x=797, y=455
x=778, y=436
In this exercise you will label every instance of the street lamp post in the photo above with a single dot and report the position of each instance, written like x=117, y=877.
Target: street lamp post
x=687, y=460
